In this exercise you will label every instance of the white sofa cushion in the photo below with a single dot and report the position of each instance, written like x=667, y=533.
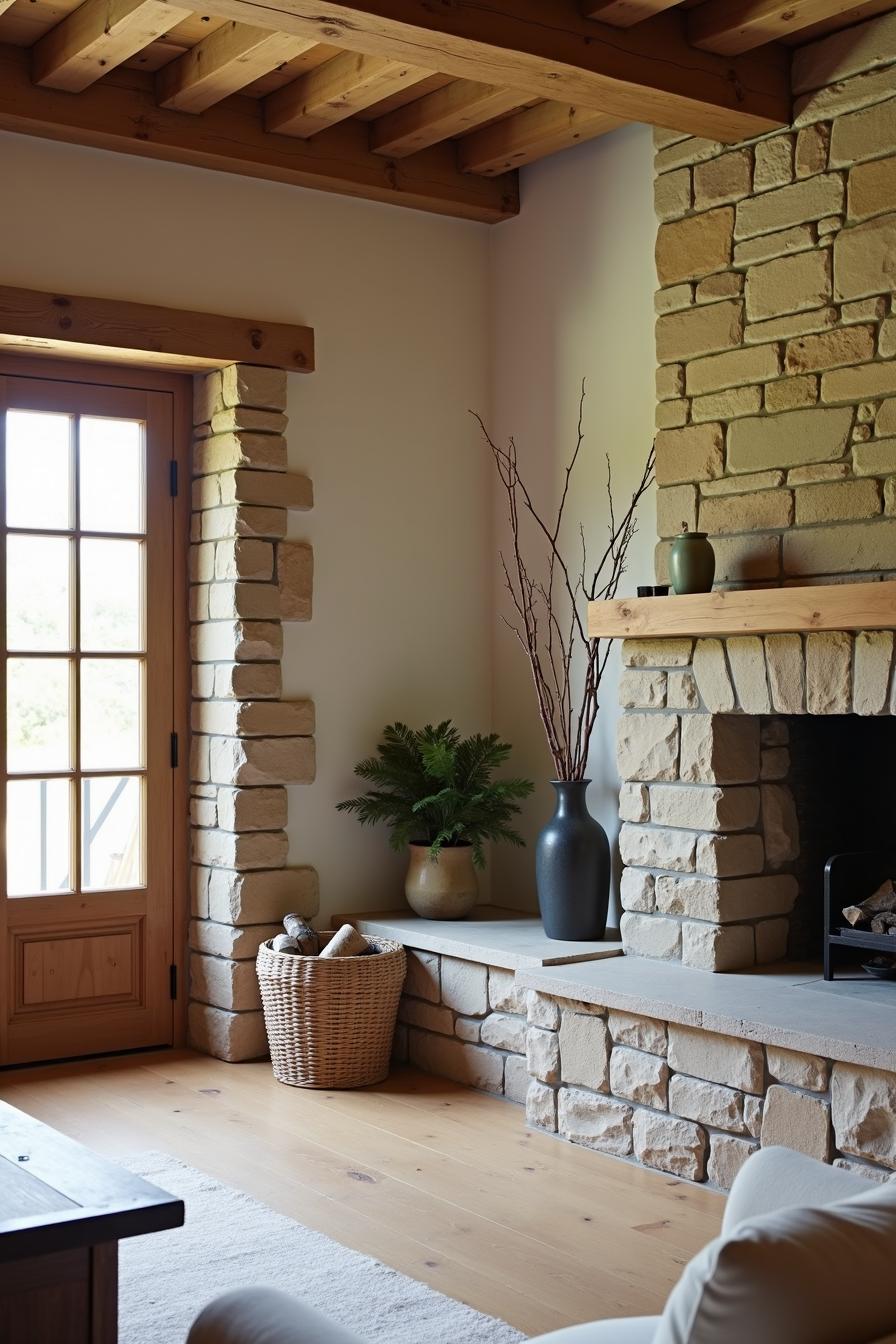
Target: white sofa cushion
x=800, y=1275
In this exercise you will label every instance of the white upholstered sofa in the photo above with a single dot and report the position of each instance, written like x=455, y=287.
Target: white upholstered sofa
x=807, y=1255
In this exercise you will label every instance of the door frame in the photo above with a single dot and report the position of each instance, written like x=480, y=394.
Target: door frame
x=180, y=386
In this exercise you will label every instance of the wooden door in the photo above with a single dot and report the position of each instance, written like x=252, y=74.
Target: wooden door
x=87, y=612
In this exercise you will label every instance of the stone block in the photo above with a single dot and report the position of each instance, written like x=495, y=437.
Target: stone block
x=465, y=986
x=657, y=847
x=505, y=1031
x=224, y=983
x=504, y=995
x=719, y=749
x=684, y=149
x=206, y=396
x=636, y=890
x=202, y=562
x=828, y=672
x=817, y=473
x=671, y=414
x=799, y=203
x=637, y=1031
x=244, y=558
x=295, y=580
x=768, y=245
x=725, y=900
x=541, y=1107
x=809, y=1072
x=427, y=1016
x=232, y=418
x=859, y=384
x=422, y=978
x=543, y=1055
x=812, y=144
x=872, y=188
x=790, y=325
x=788, y=285
x=282, y=489
x=584, y=1051
x=647, y=746
x=243, y=520
x=872, y=664
x=225, y=940
x=793, y=1120
x=707, y=1103
x=887, y=342
x=699, y=331
x=885, y=421
x=681, y=692
x=771, y=940
x=672, y=194
x=868, y=133
x=595, y=1122
x=234, y=452
x=672, y=1145
x=642, y=690
x=789, y=394
x=780, y=827
x=865, y=259
x=543, y=1011
x=877, y=1175
x=690, y=248
x=877, y=458
x=726, y=405
x=722, y=285
x=727, y=178
x=234, y=1037
x=669, y=382
x=262, y=898
x=830, y=349
x=837, y=501
x=786, y=672
x=734, y=368
x=252, y=601
x=247, y=681
x=650, y=936
x=817, y=434
x=473, y=1065
x=634, y=803
x=262, y=760
x=656, y=652
x=766, y=511
x=726, y=1157
x=834, y=58
x=215, y=848
x=254, y=718
x=775, y=763
x=853, y=548
x=716, y=947
x=516, y=1079
x=252, y=385
x=774, y=163
x=716, y=1058
x=239, y=641
x=730, y=855
x=676, y=505
x=637, y=1076
x=753, y=1115
x=690, y=454
x=704, y=807
x=469, y=1029
x=863, y=1106
x=746, y=659
x=712, y=676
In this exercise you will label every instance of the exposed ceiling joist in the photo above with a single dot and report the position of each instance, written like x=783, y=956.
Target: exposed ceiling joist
x=335, y=91
x=623, y=13
x=120, y=113
x=731, y=27
x=98, y=36
x=222, y=63
x=448, y=112
x=530, y=135
x=645, y=73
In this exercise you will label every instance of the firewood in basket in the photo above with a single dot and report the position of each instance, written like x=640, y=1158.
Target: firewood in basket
x=881, y=901
x=283, y=942
x=884, y=922
x=346, y=942
x=306, y=937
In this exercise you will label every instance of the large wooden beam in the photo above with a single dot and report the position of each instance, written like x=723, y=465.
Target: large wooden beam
x=530, y=135
x=624, y=13
x=730, y=27
x=547, y=50
x=6, y=4
x=336, y=91
x=98, y=36
x=29, y=317
x=227, y=60
x=120, y=113
x=448, y=112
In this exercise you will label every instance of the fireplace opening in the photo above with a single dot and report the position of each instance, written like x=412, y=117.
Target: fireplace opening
x=843, y=778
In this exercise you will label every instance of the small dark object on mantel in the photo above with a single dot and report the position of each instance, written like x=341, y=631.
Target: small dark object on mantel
x=653, y=590
x=873, y=911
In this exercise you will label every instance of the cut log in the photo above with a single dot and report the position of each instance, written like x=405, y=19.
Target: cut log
x=346, y=942
x=879, y=902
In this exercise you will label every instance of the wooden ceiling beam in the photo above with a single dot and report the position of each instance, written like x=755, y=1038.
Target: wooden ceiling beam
x=530, y=135
x=5, y=4
x=732, y=27
x=547, y=50
x=227, y=60
x=120, y=113
x=624, y=13
x=441, y=115
x=98, y=36
x=337, y=90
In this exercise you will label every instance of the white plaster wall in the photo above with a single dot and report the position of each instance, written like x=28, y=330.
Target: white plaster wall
x=398, y=300
x=572, y=281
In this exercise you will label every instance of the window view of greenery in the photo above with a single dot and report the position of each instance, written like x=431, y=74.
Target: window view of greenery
x=75, y=700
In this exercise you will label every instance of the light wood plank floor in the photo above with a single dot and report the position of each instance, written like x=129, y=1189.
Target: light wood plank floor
x=443, y=1183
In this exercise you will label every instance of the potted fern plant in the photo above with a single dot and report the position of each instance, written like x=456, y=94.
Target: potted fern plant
x=435, y=790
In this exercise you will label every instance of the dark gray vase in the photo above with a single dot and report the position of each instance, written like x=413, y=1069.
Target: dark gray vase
x=572, y=868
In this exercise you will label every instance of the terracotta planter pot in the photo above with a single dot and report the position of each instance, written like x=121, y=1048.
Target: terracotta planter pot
x=444, y=889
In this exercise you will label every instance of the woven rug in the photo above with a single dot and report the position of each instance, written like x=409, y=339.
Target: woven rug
x=230, y=1240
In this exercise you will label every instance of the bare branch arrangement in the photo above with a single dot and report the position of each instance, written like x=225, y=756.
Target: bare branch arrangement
x=550, y=602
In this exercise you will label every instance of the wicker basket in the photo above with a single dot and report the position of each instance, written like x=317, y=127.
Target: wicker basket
x=330, y=1022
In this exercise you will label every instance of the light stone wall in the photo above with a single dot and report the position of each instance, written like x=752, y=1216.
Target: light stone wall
x=247, y=742
x=776, y=328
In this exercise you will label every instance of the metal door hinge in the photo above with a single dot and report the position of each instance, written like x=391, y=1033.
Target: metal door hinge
x=172, y=981
x=174, y=751
x=172, y=478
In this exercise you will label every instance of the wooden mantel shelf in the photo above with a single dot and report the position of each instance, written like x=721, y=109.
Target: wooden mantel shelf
x=754, y=611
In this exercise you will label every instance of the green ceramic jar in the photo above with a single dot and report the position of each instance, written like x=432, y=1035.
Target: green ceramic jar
x=692, y=564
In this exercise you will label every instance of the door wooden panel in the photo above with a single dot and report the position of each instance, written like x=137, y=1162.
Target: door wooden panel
x=88, y=617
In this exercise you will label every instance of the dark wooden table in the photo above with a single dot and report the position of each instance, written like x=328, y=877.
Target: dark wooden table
x=63, y=1210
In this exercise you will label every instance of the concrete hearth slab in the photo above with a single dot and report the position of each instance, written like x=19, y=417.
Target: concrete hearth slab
x=493, y=935
x=847, y=1020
